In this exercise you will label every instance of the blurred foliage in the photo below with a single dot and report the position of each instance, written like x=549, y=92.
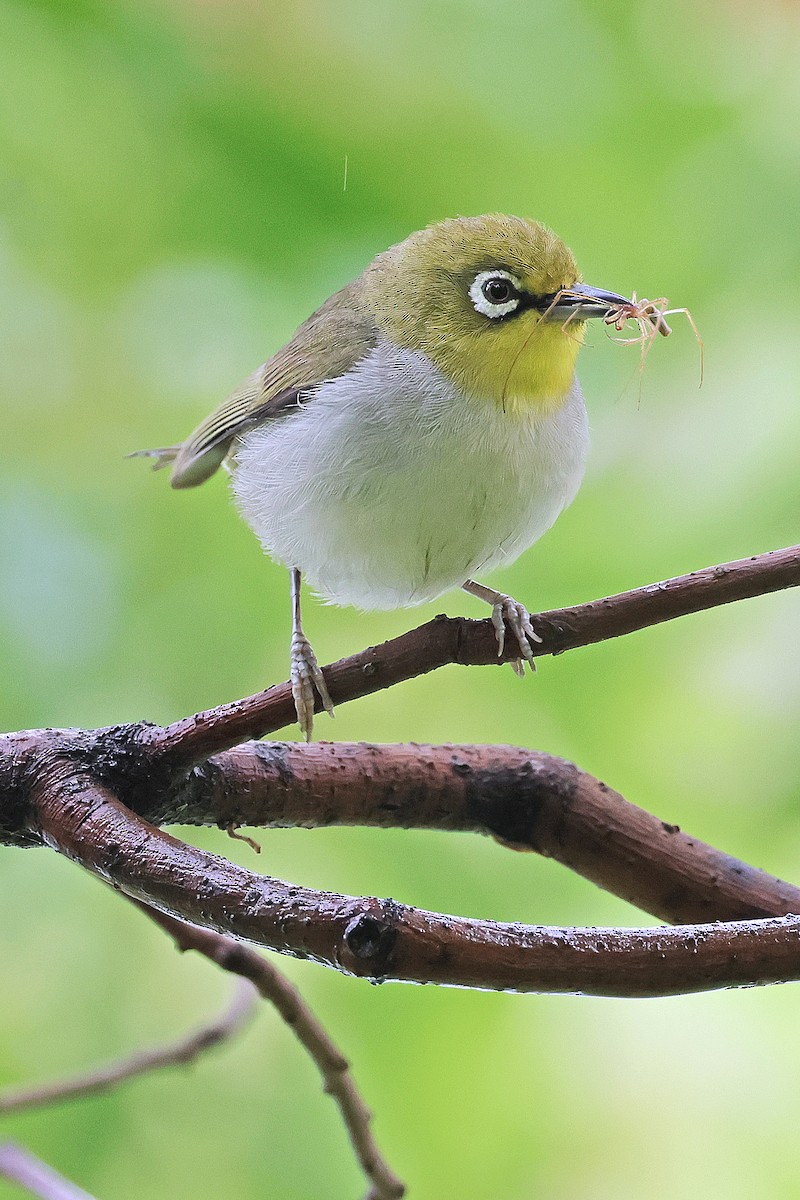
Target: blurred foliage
x=172, y=204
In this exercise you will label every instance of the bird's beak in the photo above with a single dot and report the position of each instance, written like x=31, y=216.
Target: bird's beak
x=580, y=302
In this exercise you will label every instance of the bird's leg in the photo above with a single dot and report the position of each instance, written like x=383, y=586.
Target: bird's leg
x=505, y=609
x=306, y=673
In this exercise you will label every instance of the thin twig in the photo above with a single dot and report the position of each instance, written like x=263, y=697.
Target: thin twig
x=236, y=1015
x=472, y=643
x=334, y=1068
x=24, y=1168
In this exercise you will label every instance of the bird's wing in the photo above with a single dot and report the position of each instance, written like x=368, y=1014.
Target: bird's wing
x=325, y=347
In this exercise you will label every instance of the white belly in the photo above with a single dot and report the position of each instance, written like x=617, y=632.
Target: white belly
x=389, y=487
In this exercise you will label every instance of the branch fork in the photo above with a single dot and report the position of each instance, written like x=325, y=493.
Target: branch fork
x=100, y=798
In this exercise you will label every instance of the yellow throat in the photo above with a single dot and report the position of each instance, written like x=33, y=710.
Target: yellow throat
x=531, y=365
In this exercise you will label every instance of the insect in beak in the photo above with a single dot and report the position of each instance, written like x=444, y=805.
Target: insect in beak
x=581, y=302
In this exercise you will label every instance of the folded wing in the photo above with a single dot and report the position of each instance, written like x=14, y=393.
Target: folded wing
x=325, y=347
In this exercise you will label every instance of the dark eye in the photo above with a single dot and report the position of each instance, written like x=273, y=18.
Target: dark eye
x=499, y=291
x=495, y=293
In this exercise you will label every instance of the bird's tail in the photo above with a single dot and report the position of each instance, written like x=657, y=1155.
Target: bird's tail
x=164, y=456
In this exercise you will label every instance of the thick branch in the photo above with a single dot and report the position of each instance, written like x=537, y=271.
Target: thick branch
x=332, y=1065
x=384, y=940
x=102, y=1079
x=527, y=800
x=472, y=643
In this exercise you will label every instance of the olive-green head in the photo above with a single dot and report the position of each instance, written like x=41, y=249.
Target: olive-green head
x=479, y=296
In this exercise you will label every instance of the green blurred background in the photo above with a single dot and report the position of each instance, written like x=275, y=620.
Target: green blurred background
x=171, y=206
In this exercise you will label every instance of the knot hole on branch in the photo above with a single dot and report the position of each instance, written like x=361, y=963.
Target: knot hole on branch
x=370, y=937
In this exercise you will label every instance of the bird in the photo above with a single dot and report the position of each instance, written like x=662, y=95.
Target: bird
x=423, y=426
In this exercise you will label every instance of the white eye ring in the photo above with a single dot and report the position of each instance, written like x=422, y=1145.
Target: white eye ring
x=485, y=306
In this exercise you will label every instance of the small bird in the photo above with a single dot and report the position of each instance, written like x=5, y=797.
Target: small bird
x=424, y=425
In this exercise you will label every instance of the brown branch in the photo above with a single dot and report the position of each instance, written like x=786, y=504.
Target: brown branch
x=332, y=1065
x=381, y=940
x=102, y=1079
x=524, y=799
x=24, y=1168
x=472, y=643
x=62, y=787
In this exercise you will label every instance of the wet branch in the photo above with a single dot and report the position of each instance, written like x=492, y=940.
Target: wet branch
x=381, y=939
x=524, y=799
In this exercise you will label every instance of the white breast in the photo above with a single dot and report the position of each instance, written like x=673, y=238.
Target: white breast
x=389, y=487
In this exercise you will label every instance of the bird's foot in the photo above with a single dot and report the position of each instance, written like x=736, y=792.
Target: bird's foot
x=509, y=612
x=305, y=676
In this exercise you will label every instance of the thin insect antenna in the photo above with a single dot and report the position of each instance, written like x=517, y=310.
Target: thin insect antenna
x=572, y=316
x=559, y=295
x=696, y=332
x=572, y=337
x=700, y=345
x=515, y=359
x=626, y=386
x=648, y=338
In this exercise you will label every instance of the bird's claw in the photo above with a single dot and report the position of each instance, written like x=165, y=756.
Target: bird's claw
x=507, y=611
x=306, y=674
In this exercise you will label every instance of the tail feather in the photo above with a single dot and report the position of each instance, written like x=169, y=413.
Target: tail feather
x=188, y=468
x=164, y=456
